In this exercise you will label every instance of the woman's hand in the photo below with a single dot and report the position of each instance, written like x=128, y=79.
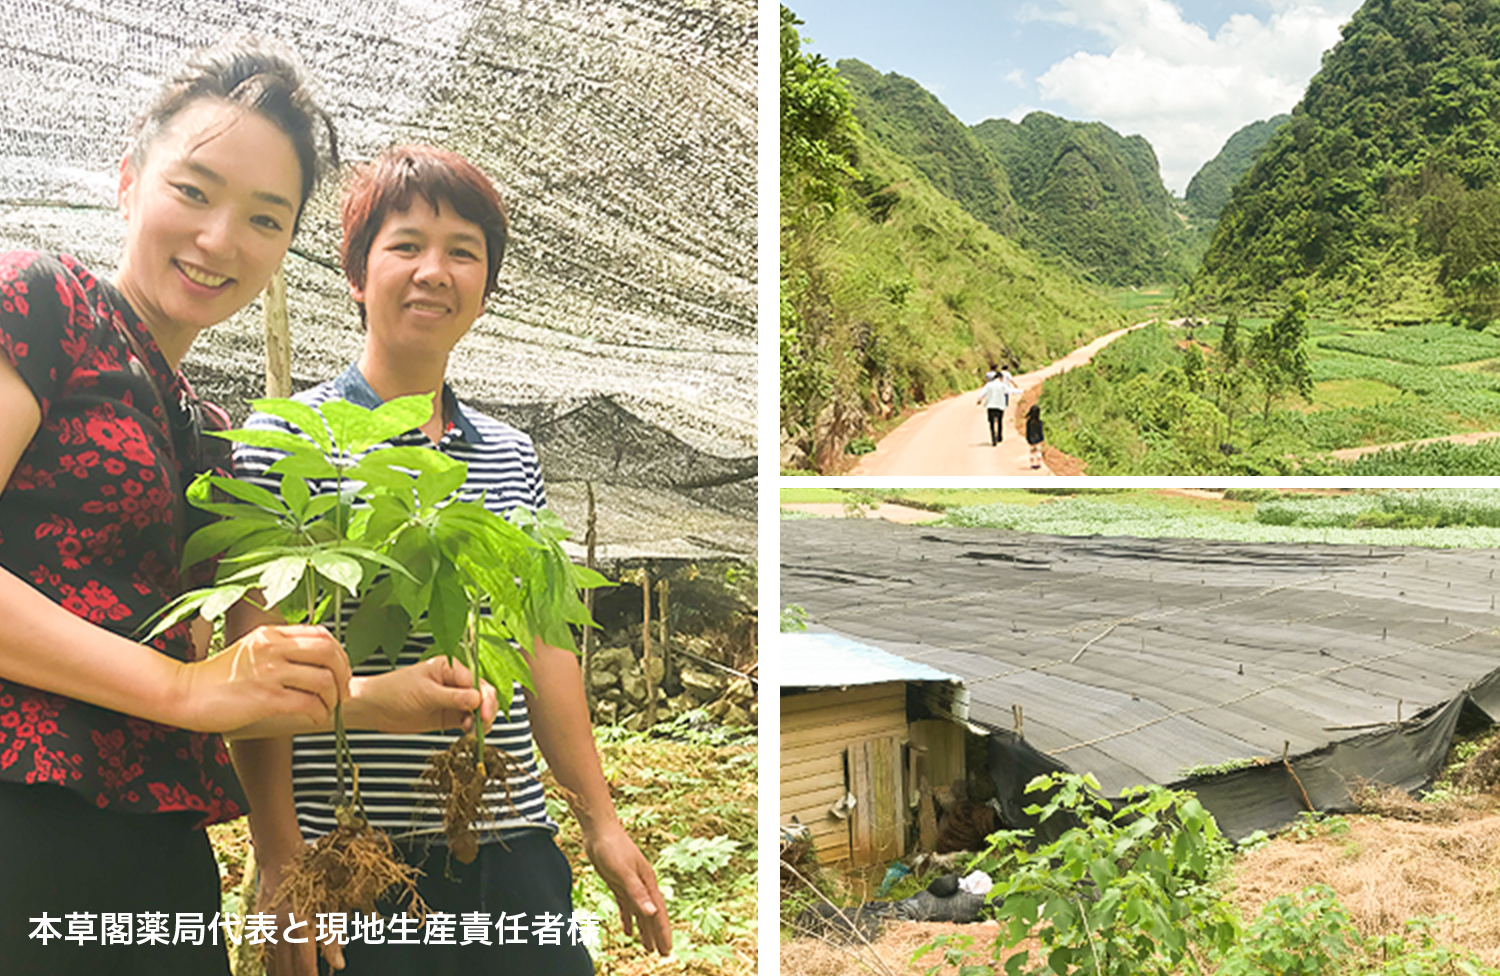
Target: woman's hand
x=277, y=679
x=432, y=695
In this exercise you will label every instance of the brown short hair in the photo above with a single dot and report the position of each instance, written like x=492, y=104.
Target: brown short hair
x=393, y=181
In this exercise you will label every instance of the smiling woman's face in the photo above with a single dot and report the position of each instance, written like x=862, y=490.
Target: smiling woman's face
x=209, y=218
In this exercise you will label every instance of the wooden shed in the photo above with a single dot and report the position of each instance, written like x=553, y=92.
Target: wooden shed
x=861, y=731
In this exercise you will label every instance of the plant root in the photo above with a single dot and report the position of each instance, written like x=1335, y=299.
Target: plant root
x=349, y=870
x=459, y=784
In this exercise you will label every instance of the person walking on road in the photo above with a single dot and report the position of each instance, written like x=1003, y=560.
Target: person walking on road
x=995, y=396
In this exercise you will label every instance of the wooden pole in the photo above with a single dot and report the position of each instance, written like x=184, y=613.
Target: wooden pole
x=278, y=337
x=590, y=541
x=646, y=646
x=666, y=629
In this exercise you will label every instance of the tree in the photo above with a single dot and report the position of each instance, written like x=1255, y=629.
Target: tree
x=817, y=128
x=1229, y=374
x=1279, y=354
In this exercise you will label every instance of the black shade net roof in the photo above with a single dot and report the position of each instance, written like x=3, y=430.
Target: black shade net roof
x=623, y=135
x=1140, y=660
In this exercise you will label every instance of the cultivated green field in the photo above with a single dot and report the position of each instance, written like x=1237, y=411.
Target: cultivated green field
x=1437, y=517
x=1140, y=408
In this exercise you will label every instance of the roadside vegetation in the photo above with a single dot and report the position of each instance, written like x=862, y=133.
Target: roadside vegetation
x=1436, y=517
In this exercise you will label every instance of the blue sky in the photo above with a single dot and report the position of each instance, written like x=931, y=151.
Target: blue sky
x=1183, y=73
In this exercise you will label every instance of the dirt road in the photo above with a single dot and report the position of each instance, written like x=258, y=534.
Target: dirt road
x=951, y=436
x=1351, y=453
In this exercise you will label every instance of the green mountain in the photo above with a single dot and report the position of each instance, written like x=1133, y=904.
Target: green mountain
x=1090, y=194
x=1209, y=189
x=910, y=122
x=1076, y=190
x=1383, y=192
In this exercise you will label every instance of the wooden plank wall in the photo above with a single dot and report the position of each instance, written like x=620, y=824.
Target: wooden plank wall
x=944, y=745
x=816, y=730
x=878, y=822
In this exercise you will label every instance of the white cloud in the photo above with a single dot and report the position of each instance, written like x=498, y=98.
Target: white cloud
x=1016, y=78
x=1184, y=89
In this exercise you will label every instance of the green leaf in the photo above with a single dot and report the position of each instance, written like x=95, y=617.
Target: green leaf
x=435, y=486
x=299, y=415
x=342, y=570
x=356, y=429
x=280, y=577
x=175, y=612
x=216, y=537
x=376, y=626
x=246, y=492
x=448, y=613
x=320, y=506
x=272, y=439
x=296, y=495
x=403, y=414
x=241, y=511
x=315, y=467
x=382, y=520
x=220, y=599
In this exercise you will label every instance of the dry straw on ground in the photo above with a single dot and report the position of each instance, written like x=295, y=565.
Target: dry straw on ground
x=1387, y=871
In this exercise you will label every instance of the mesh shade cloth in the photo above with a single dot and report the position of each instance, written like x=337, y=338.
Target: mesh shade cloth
x=623, y=137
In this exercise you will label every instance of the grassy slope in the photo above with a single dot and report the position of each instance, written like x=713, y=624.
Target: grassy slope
x=929, y=297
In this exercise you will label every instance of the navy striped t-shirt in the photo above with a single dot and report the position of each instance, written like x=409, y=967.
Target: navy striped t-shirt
x=503, y=471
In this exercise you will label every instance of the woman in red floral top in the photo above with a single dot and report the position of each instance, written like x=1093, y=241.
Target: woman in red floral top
x=112, y=752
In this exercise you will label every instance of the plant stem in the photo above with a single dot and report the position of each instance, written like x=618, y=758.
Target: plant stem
x=474, y=667
x=341, y=751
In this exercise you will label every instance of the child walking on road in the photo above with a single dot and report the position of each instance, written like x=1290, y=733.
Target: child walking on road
x=1034, y=435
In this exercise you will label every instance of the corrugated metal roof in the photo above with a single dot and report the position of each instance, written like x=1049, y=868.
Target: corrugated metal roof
x=812, y=660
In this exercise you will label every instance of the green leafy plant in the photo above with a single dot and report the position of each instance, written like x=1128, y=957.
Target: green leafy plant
x=692, y=854
x=1306, y=934
x=1311, y=824
x=1124, y=892
x=392, y=534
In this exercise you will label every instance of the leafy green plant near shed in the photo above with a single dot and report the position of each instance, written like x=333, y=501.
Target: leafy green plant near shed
x=393, y=536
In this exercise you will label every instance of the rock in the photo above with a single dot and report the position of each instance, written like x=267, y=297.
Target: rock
x=736, y=716
x=701, y=685
x=600, y=679
x=719, y=708
x=636, y=722
x=613, y=659
x=634, y=686
x=605, y=713
x=614, y=695
x=740, y=692
x=658, y=669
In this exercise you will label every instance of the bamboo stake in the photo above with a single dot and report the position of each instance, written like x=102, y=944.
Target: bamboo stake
x=666, y=630
x=646, y=646
x=278, y=337
x=590, y=541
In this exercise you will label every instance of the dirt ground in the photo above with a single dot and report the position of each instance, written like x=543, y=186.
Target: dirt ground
x=1384, y=870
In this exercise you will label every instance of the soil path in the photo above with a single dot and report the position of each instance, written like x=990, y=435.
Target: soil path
x=1350, y=453
x=951, y=436
x=885, y=510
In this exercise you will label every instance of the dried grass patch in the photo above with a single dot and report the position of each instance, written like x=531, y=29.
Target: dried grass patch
x=891, y=953
x=1387, y=871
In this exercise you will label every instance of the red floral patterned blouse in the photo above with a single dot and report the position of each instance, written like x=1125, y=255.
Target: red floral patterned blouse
x=93, y=516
